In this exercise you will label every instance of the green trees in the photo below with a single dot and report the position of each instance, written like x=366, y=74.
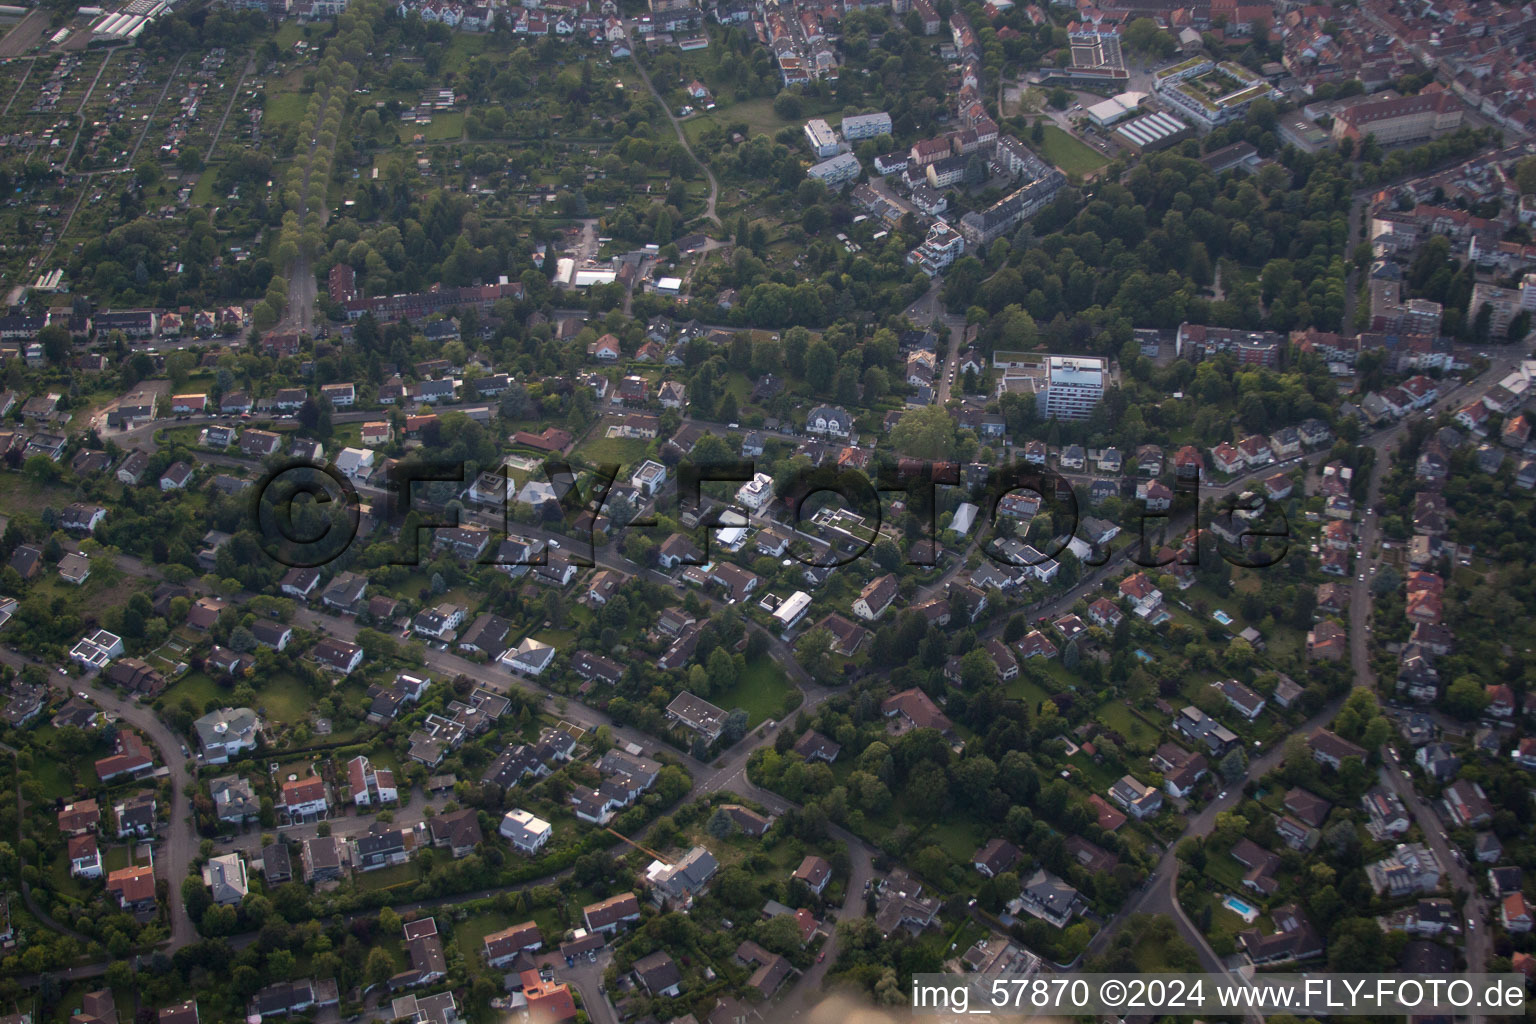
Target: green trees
x=926, y=433
x=1143, y=35
x=1465, y=697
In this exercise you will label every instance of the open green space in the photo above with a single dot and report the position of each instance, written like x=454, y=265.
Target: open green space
x=445, y=126
x=1066, y=152
x=285, y=108
x=757, y=114
x=197, y=687
x=1115, y=715
x=626, y=451
x=387, y=878
x=289, y=33
x=1025, y=689
x=57, y=781
x=958, y=838
x=285, y=699
x=760, y=692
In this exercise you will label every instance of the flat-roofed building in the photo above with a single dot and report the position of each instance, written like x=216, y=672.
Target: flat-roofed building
x=821, y=138
x=837, y=171
x=1074, y=387
x=866, y=126
x=1152, y=132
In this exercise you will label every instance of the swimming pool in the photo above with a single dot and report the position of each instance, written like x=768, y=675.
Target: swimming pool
x=1222, y=617
x=1241, y=909
x=1144, y=656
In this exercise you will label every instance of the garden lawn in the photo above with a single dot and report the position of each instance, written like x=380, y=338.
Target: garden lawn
x=758, y=115
x=1028, y=691
x=198, y=687
x=1066, y=152
x=1225, y=872
x=1115, y=715
x=959, y=839
x=1097, y=777
x=285, y=108
x=1225, y=922
x=203, y=192
x=760, y=691
x=626, y=451
x=284, y=699
x=384, y=878
x=56, y=779
x=445, y=126
x=64, y=884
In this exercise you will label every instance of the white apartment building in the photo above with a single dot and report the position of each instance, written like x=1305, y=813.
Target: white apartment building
x=1074, y=387
x=821, y=138
x=866, y=126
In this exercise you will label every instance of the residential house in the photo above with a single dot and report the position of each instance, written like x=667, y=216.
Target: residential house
x=996, y=857
x=1136, y=797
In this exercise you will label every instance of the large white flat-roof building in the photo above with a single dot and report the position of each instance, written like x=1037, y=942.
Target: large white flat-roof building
x=1210, y=94
x=1116, y=108
x=866, y=126
x=821, y=137
x=838, y=171
x=792, y=610
x=1074, y=387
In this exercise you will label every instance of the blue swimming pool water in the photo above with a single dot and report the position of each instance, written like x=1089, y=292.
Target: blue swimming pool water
x=1240, y=908
x=1143, y=655
x=1222, y=617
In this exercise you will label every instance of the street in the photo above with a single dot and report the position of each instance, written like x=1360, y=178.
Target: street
x=728, y=772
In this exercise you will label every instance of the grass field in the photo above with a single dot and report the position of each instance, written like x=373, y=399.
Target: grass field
x=203, y=192
x=281, y=697
x=1095, y=776
x=626, y=451
x=1027, y=690
x=285, y=108
x=20, y=493
x=959, y=839
x=757, y=114
x=1115, y=715
x=760, y=692
x=198, y=687
x=290, y=33
x=445, y=126
x=385, y=878
x=1066, y=152
x=56, y=780
x=285, y=699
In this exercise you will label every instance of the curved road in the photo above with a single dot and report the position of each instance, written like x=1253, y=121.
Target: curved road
x=174, y=856
x=1160, y=894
